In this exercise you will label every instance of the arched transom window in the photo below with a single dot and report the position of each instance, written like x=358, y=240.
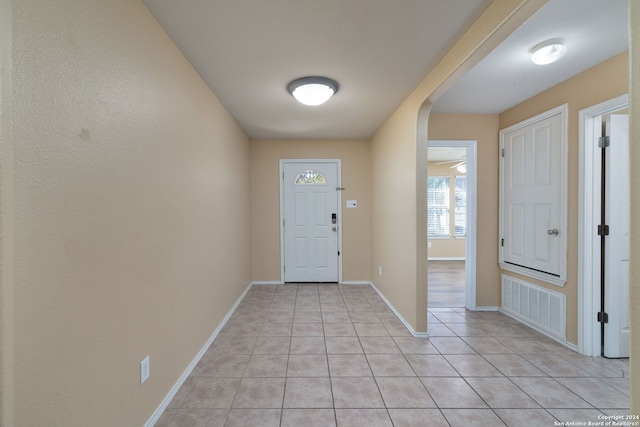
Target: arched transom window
x=310, y=177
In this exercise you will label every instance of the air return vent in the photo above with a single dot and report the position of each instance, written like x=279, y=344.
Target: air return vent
x=535, y=305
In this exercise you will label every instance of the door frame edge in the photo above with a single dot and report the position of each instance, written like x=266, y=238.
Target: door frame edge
x=588, y=219
x=472, y=213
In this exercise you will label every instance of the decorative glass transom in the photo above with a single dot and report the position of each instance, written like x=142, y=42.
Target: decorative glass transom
x=310, y=177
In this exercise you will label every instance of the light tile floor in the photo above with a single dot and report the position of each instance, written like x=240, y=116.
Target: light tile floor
x=326, y=355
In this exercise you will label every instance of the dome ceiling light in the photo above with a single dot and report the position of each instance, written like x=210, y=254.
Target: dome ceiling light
x=548, y=51
x=313, y=90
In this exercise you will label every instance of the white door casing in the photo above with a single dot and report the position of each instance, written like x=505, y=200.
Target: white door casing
x=533, y=197
x=472, y=193
x=616, y=297
x=589, y=196
x=310, y=196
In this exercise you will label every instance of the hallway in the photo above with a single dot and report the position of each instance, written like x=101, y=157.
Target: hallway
x=324, y=355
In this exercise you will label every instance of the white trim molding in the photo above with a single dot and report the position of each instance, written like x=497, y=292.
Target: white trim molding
x=589, y=194
x=472, y=218
x=338, y=162
x=556, y=339
x=165, y=402
x=355, y=282
x=487, y=308
x=398, y=315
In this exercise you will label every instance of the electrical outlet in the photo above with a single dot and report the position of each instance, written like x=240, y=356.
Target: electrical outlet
x=144, y=370
x=380, y=271
x=428, y=244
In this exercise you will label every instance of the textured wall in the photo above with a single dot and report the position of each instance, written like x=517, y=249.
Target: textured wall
x=131, y=200
x=399, y=164
x=265, y=200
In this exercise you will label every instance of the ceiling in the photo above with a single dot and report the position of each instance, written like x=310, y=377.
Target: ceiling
x=592, y=30
x=377, y=50
x=447, y=154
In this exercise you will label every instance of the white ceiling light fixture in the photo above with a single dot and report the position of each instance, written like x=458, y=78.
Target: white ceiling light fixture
x=313, y=90
x=548, y=51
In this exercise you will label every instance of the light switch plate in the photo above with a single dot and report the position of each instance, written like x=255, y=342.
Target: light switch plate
x=144, y=370
x=352, y=203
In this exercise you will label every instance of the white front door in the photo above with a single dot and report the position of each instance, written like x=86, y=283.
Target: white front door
x=310, y=221
x=616, y=295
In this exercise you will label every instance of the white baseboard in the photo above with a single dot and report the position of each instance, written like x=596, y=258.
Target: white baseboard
x=355, y=282
x=556, y=339
x=446, y=259
x=267, y=282
x=398, y=315
x=165, y=402
x=486, y=308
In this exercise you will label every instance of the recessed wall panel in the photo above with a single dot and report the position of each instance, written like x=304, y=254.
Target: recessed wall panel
x=301, y=252
x=517, y=231
x=301, y=209
x=542, y=151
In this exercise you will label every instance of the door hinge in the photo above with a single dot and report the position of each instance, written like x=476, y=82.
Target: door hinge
x=503, y=152
x=603, y=230
x=338, y=253
x=283, y=222
x=603, y=317
x=603, y=141
x=502, y=242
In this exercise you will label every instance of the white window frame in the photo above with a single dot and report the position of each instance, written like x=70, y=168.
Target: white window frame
x=448, y=199
x=456, y=235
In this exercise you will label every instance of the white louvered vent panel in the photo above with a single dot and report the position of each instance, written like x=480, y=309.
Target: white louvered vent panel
x=535, y=305
x=506, y=296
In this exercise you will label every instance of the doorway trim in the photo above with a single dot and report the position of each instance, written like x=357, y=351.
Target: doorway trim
x=338, y=163
x=589, y=193
x=472, y=200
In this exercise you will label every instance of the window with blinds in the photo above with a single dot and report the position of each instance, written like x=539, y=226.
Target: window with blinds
x=438, y=206
x=461, y=206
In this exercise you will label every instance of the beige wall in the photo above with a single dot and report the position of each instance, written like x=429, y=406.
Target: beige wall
x=131, y=219
x=131, y=150
x=399, y=165
x=393, y=218
x=265, y=202
x=634, y=152
x=484, y=129
x=451, y=247
x=595, y=85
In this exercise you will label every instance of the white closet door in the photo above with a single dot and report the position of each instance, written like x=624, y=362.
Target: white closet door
x=616, y=298
x=533, y=233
